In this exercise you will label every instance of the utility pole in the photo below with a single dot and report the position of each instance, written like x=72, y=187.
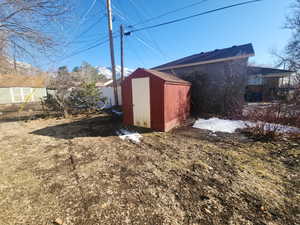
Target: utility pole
x=122, y=51
x=15, y=61
x=112, y=54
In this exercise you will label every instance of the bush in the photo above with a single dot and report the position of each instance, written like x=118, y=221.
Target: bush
x=85, y=98
x=270, y=118
x=88, y=97
x=51, y=104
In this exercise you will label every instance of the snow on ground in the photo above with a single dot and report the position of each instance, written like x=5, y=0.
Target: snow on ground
x=216, y=124
x=125, y=134
x=230, y=126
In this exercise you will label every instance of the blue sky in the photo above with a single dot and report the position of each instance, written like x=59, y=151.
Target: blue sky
x=259, y=23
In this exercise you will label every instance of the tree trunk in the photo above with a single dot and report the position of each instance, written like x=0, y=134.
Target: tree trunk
x=66, y=114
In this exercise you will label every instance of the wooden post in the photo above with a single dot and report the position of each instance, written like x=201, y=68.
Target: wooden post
x=122, y=51
x=112, y=54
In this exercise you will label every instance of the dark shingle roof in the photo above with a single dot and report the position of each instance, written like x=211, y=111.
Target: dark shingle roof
x=167, y=77
x=241, y=50
x=255, y=70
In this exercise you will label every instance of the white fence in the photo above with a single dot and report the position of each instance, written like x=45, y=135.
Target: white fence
x=21, y=94
x=108, y=92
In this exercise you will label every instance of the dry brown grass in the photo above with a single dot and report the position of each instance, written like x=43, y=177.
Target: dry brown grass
x=79, y=171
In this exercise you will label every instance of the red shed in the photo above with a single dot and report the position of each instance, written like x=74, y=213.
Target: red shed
x=155, y=100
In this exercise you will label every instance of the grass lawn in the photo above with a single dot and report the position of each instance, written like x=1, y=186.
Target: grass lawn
x=77, y=170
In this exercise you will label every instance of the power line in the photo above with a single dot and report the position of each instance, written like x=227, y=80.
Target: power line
x=150, y=38
x=168, y=13
x=88, y=48
x=82, y=21
x=192, y=16
x=135, y=53
x=88, y=11
x=83, y=17
x=119, y=13
x=84, y=50
x=158, y=50
x=90, y=27
x=145, y=12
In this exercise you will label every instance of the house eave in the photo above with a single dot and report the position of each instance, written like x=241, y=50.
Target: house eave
x=278, y=75
x=204, y=62
x=273, y=75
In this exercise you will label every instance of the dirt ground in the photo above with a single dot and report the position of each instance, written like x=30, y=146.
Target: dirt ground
x=78, y=172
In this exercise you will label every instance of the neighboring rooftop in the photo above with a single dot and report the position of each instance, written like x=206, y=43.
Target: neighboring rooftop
x=212, y=56
x=103, y=83
x=8, y=80
x=265, y=71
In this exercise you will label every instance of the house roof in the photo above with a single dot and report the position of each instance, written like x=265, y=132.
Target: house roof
x=9, y=80
x=167, y=77
x=110, y=83
x=241, y=51
x=257, y=70
x=103, y=83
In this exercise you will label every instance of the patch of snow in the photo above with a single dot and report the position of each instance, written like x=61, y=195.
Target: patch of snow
x=106, y=71
x=128, y=135
x=219, y=125
x=230, y=126
x=281, y=128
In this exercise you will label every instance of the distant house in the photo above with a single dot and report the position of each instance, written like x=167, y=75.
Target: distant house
x=208, y=61
x=107, y=90
x=103, y=83
x=266, y=84
x=19, y=88
x=209, y=71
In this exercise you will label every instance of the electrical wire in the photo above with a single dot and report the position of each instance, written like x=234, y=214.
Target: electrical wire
x=150, y=37
x=168, y=13
x=135, y=53
x=149, y=46
x=87, y=12
x=88, y=48
x=90, y=27
x=192, y=16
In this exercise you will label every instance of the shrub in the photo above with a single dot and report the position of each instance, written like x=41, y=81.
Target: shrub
x=88, y=97
x=269, y=119
x=85, y=98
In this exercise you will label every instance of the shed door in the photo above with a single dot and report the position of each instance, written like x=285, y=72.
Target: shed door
x=141, y=102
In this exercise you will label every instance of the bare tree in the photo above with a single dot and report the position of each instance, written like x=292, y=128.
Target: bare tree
x=62, y=82
x=290, y=59
x=86, y=72
x=27, y=27
x=221, y=92
x=74, y=91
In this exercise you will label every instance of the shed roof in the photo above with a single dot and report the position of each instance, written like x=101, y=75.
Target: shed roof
x=9, y=80
x=212, y=56
x=167, y=77
x=257, y=70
